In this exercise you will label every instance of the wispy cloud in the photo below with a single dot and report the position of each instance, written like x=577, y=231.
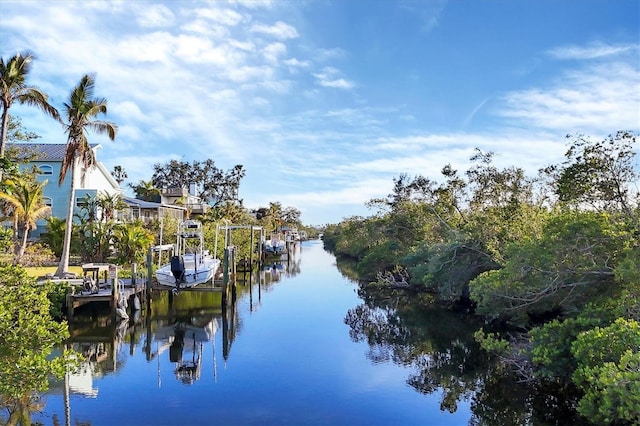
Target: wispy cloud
x=592, y=51
x=581, y=100
x=155, y=15
x=330, y=77
x=279, y=30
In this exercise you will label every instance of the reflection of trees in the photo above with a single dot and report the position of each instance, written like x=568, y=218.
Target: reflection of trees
x=421, y=339
x=438, y=346
x=348, y=269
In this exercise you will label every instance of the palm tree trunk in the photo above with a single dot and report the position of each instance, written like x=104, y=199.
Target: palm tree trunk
x=63, y=266
x=23, y=245
x=3, y=136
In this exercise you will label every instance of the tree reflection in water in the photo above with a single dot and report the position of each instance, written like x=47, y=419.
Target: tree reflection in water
x=438, y=346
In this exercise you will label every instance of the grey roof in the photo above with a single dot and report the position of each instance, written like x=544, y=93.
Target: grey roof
x=44, y=151
x=148, y=204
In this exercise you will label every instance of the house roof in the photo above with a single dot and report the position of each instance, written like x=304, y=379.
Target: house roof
x=149, y=204
x=45, y=151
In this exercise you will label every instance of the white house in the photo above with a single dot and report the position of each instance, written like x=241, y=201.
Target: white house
x=48, y=159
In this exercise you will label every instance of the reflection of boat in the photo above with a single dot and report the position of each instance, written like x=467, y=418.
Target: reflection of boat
x=275, y=268
x=274, y=246
x=181, y=336
x=191, y=264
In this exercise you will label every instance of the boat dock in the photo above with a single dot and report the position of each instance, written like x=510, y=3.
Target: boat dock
x=100, y=283
x=125, y=291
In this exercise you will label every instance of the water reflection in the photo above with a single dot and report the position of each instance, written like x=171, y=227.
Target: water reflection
x=172, y=328
x=442, y=356
x=184, y=338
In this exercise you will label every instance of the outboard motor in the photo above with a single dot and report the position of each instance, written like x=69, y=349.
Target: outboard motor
x=177, y=268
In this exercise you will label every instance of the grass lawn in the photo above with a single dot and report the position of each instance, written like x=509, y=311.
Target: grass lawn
x=41, y=271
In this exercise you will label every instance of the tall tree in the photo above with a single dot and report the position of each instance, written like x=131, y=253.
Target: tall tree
x=27, y=207
x=213, y=185
x=119, y=174
x=601, y=175
x=13, y=88
x=81, y=111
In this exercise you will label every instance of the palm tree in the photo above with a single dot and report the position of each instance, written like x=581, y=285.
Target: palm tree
x=119, y=174
x=110, y=205
x=54, y=235
x=132, y=241
x=13, y=88
x=81, y=111
x=146, y=190
x=28, y=206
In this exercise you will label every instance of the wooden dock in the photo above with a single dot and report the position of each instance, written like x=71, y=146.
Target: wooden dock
x=124, y=290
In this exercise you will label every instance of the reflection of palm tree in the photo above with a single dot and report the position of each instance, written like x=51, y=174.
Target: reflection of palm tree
x=81, y=111
x=27, y=205
x=13, y=88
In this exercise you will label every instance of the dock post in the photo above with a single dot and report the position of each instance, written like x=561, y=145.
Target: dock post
x=113, y=276
x=149, y=278
x=234, y=252
x=251, y=249
x=225, y=275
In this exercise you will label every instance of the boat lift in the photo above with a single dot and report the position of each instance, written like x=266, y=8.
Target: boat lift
x=227, y=240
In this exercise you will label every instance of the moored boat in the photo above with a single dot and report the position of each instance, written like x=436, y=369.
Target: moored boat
x=274, y=246
x=190, y=264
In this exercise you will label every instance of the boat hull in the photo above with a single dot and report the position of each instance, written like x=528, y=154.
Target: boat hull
x=202, y=272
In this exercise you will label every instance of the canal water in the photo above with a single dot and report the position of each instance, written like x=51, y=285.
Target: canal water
x=299, y=346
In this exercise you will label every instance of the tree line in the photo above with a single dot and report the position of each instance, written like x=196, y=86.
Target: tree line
x=551, y=262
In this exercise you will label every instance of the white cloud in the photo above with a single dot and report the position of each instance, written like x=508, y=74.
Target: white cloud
x=294, y=64
x=581, y=100
x=279, y=30
x=222, y=16
x=154, y=15
x=329, y=77
x=272, y=52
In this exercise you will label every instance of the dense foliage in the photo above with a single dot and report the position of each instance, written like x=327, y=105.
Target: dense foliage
x=212, y=184
x=556, y=257
x=28, y=334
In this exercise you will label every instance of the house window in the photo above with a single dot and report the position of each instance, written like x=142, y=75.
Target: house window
x=81, y=202
x=45, y=169
x=47, y=201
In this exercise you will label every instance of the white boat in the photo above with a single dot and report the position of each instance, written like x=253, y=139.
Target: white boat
x=190, y=264
x=274, y=246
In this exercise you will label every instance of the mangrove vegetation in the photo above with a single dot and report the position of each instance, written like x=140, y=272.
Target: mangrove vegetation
x=551, y=264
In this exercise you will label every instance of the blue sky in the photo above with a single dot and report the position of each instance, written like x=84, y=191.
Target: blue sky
x=325, y=102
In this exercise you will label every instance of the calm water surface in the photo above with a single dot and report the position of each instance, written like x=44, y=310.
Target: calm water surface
x=298, y=347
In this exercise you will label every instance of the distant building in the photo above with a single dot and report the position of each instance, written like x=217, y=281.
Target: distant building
x=147, y=211
x=184, y=197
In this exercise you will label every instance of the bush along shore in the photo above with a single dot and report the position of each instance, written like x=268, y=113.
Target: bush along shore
x=551, y=263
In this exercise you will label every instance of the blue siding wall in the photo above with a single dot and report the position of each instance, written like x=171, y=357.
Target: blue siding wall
x=59, y=194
